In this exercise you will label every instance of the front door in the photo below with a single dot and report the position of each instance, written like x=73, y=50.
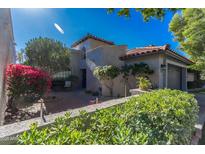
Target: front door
x=83, y=78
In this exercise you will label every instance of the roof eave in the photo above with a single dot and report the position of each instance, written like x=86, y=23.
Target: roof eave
x=89, y=36
x=128, y=57
x=179, y=57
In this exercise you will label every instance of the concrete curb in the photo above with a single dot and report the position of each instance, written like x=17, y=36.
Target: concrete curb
x=198, y=135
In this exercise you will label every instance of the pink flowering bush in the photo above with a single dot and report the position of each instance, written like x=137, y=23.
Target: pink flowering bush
x=25, y=80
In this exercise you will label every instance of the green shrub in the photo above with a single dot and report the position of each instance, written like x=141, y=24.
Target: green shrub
x=106, y=74
x=143, y=83
x=159, y=117
x=25, y=81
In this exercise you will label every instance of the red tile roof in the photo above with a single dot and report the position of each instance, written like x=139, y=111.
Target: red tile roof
x=151, y=50
x=93, y=37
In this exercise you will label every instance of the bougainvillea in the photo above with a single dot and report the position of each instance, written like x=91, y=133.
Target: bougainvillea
x=25, y=80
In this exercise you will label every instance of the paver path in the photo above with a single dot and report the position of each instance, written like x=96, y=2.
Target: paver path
x=67, y=100
x=56, y=102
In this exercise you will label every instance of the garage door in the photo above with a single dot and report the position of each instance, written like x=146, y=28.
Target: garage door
x=174, y=77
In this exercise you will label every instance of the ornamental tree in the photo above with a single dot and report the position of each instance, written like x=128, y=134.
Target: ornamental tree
x=25, y=80
x=147, y=13
x=50, y=55
x=188, y=28
x=125, y=71
x=141, y=69
x=106, y=74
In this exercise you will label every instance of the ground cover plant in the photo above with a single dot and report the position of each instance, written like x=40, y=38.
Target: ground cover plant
x=159, y=117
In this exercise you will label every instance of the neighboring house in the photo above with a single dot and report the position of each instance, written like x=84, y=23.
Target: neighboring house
x=194, y=79
x=7, y=54
x=170, y=68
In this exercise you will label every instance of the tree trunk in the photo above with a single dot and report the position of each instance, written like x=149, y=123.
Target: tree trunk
x=126, y=85
x=110, y=88
x=11, y=107
x=125, y=89
x=111, y=92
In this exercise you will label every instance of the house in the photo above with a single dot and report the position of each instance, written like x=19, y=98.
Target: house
x=7, y=54
x=170, y=68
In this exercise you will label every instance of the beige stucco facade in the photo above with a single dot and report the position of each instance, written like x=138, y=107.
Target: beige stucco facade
x=91, y=53
x=154, y=63
x=159, y=78
x=7, y=54
x=97, y=54
x=89, y=44
x=104, y=55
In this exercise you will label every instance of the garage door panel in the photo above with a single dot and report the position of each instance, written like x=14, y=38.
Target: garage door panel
x=174, y=77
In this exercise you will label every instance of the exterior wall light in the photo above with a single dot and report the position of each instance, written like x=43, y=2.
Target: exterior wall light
x=163, y=66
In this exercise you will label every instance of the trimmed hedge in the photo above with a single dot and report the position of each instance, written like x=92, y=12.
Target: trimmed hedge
x=159, y=117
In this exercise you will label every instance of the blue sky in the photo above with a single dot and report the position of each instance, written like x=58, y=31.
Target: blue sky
x=134, y=32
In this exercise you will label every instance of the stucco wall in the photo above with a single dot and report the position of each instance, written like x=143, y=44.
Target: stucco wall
x=75, y=58
x=154, y=63
x=89, y=44
x=78, y=63
x=159, y=78
x=7, y=54
x=105, y=55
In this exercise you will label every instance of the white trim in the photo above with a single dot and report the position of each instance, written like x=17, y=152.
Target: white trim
x=175, y=63
x=166, y=75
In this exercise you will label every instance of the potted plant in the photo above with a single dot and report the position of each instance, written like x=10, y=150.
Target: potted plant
x=144, y=83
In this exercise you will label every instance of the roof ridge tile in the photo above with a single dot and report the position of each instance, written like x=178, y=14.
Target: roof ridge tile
x=93, y=37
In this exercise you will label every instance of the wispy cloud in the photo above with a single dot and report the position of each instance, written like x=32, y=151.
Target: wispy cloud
x=58, y=28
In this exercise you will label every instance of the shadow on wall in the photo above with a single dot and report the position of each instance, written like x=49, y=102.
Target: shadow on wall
x=7, y=53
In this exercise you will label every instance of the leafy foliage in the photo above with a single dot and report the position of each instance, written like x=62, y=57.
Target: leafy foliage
x=106, y=74
x=20, y=56
x=159, y=117
x=141, y=69
x=147, y=13
x=125, y=71
x=188, y=28
x=47, y=54
x=25, y=80
x=144, y=83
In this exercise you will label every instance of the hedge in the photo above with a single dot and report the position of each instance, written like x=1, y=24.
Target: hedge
x=159, y=117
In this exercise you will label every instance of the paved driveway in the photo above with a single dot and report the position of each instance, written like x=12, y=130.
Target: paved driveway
x=67, y=100
x=201, y=101
x=54, y=103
